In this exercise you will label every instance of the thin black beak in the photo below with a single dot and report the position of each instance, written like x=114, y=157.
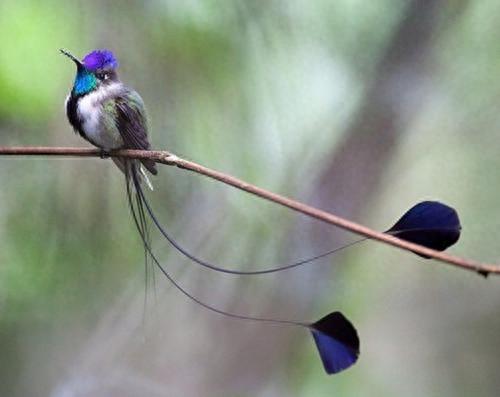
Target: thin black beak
x=74, y=59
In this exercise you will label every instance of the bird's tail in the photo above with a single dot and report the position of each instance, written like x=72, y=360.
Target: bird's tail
x=126, y=165
x=335, y=337
x=135, y=174
x=138, y=204
x=418, y=227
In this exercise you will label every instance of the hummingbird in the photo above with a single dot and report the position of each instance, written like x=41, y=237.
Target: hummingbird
x=106, y=112
x=112, y=116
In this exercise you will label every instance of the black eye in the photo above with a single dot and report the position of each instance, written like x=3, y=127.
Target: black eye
x=102, y=76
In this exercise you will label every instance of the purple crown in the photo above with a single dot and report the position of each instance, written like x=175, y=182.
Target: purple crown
x=100, y=59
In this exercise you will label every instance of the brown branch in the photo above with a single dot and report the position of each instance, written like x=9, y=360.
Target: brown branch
x=167, y=158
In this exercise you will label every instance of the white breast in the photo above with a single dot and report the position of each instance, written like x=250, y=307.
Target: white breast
x=90, y=108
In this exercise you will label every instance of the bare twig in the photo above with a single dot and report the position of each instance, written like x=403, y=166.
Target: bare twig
x=168, y=158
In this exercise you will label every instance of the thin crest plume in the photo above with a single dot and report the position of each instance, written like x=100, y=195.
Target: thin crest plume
x=100, y=59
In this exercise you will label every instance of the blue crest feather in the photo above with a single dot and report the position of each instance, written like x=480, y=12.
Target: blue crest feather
x=100, y=59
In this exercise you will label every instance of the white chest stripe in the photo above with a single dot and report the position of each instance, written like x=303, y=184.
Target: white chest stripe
x=89, y=111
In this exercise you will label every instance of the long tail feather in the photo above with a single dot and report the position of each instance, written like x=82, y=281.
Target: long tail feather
x=138, y=214
x=212, y=266
x=401, y=233
x=335, y=337
x=143, y=228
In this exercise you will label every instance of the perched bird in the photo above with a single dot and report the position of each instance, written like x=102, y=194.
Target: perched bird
x=107, y=113
x=111, y=116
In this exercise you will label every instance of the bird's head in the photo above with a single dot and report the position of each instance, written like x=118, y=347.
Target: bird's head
x=97, y=68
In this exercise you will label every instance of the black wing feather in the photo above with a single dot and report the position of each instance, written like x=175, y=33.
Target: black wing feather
x=132, y=124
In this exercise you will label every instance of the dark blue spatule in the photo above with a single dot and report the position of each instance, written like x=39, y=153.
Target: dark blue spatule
x=337, y=342
x=429, y=223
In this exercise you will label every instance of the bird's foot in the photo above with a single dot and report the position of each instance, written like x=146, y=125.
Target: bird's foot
x=104, y=154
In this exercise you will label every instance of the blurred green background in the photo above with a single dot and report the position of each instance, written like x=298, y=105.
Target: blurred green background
x=361, y=108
